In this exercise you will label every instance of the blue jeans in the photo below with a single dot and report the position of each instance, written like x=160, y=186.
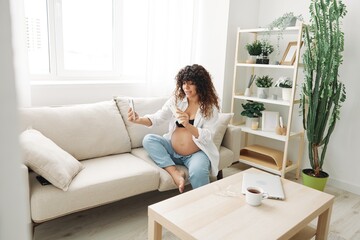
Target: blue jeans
x=162, y=153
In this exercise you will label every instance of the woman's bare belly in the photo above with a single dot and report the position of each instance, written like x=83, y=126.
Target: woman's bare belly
x=182, y=143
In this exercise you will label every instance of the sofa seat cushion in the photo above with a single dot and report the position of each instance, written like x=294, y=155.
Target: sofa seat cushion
x=83, y=130
x=166, y=181
x=103, y=180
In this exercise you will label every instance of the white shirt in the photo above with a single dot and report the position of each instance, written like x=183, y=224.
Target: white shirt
x=205, y=128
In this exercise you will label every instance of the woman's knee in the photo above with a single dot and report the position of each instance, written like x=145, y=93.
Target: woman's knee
x=199, y=166
x=149, y=139
x=199, y=176
x=201, y=170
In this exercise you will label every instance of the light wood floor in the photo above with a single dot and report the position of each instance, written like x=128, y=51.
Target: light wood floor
x=127, y=219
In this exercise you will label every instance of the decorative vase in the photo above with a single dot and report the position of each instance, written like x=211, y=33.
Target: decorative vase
x=247, y=92
x=318, y=183
x=262, y=92
x=286, y=94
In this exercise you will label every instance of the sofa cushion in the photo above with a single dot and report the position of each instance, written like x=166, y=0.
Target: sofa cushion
x=45, y=158
x=142, y=106
x=220, y=127
x=84, y=130
x=103, y=180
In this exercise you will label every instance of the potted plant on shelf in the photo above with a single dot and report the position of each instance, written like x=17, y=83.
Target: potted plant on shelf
x=263, y=84
x=286, y=87
x=322, y=92
x=281, y=23
x=252, y=112
x=254, y=50
x=286, y=20
x=266, y=50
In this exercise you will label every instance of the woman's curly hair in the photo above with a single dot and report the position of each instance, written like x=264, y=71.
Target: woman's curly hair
x=200, y=77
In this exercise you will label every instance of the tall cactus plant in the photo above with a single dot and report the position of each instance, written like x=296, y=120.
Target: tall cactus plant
x=322, y=92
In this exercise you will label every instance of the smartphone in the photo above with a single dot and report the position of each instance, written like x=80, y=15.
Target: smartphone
x=173, y=109
x=131, y=105
x=42, y=180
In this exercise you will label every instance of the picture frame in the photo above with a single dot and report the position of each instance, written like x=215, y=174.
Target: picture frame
x=269, y=121
x=290, y=54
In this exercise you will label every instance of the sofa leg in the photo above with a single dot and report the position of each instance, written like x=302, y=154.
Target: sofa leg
x=34, y=224
x=220, y=175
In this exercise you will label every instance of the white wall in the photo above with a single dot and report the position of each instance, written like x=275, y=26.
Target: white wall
x=14, y=209
x=50, y=94
x=212, y=22
x=241, y=15
x=341, y=162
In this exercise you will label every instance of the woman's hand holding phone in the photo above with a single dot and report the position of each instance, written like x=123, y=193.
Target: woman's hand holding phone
x=183, y=118
x=180, y=116
x=131, y=112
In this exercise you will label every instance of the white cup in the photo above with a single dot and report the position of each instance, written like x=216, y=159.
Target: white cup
x=254, y=196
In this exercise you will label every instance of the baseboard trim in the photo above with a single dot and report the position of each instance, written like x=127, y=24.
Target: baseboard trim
x=344, y=185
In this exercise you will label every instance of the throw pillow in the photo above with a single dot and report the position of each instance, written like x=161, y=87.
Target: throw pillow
x=220, y=127
x=47, y=159
x=142, y=106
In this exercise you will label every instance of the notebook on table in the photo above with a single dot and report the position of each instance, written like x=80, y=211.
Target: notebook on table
x=270, y=183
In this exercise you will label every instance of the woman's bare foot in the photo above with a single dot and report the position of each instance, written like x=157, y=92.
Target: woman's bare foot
x=181, y=181
x=178, y=176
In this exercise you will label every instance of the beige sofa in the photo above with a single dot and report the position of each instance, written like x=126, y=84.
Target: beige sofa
x=109, y=149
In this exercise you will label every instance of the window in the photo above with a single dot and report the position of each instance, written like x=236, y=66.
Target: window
x=87, y=35
x=122, y=40
x=37, y=36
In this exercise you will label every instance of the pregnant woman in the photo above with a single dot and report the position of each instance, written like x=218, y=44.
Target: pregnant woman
x=193, y=111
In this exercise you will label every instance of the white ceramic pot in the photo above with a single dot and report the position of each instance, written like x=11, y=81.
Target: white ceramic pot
x=252, y=123
x=262, y=92
x=286, y=94
x=251, y=59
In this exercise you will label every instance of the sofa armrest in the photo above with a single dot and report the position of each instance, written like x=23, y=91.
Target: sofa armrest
x=232, y=140
x=25, y=176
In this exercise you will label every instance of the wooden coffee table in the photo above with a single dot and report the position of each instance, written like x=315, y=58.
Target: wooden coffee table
x=210, y=213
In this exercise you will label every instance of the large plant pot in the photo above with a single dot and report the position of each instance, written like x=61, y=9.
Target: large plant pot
x=318, y=183
x=286, y=93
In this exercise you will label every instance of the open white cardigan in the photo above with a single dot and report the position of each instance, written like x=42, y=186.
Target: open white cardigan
x=205, y=127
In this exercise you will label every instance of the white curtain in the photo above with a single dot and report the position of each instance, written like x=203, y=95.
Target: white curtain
x=170, y=33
